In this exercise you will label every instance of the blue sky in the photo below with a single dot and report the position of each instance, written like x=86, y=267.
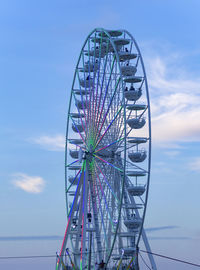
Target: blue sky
x=40, y=44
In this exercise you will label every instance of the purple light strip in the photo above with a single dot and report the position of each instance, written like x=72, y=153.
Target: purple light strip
x=109, y=163
x=73, y=180
x=107, y=109
x=108, y=126
x=103, y=195
x=100, y=208
x=108, y=145
x=74, y=197
x=108, y=183
x=105, y=94
x=72, y=163
x=83, y=206
x=69, y=216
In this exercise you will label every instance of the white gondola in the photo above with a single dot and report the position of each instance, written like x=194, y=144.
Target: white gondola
x=137, y=156
x=118, y=48
x=133, y=79
x=129, y=251
x=124, y=56
x=87, y=83
x=133, y=206
x=107, y=47
x=77, y=127
x=76, y=141
x=136, y=107
x=128, y=70
x=133, y=223
x=74, y=167
x=73, y=180
x=100, y=40
x=112, y=33
x=81, y=92
x=90, y=67
x=133, y=95
x=77, y=115
x=115, y=258
x=136, y=190
x=137, y=140
x=72, y=193
x=135, y=173
x=73, y=153
x=104, y=46
x=80, y=104
x=97, y=52
x=136, y=123
x=127, y=234
x=121, y=41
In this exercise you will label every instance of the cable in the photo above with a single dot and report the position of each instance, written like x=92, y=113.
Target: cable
x=54, y=256
x=170, y=258
x=144, y=261
x=28, y=257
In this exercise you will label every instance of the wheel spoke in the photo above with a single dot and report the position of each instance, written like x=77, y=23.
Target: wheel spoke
x=104, y=177
x=109, y=145
x=108, y=126
x=108, y=163
x=107, y=109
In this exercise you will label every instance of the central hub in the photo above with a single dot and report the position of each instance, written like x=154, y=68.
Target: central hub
x=89, y=154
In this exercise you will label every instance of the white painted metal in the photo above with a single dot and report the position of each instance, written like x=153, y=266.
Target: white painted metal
x=108, y=120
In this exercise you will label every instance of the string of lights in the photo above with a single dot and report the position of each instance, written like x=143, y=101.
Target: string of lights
x=144, y=261
x=54, y=256
x=170, y=258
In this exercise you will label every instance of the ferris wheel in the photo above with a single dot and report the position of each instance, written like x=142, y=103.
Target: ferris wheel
x=108, y=155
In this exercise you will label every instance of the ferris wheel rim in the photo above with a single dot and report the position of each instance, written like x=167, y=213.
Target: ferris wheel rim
x=125, y=140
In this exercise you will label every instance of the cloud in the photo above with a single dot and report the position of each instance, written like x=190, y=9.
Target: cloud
x=161, y=167
x=195, y=165
x=153, y=229
x=31, y=184
x=175, y=105
x=172, y=154
x=175, y=102
x=170, y=238
x=51, y=143
x=30, y=238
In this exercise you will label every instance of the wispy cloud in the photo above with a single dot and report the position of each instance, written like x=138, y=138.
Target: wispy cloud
x=170, y=238
x=175, y=105
x=31, y=184
x=161, y=167
x=172, y=153
x=195, y=164
x=161, y=228
x=175, y=102
x=31, y=238
x=51, y=143
x=57, y=237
